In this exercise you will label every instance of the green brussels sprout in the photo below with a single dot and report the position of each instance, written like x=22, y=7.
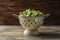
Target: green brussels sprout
x=31, y=13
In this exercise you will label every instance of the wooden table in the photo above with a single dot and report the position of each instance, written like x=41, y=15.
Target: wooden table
x=16, y=33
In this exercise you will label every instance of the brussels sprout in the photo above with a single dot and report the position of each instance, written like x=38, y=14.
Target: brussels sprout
x=31, y=13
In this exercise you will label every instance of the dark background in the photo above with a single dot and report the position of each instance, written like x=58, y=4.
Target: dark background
x=9, y=7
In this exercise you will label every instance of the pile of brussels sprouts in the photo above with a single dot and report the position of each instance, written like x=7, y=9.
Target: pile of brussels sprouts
x=31, y=13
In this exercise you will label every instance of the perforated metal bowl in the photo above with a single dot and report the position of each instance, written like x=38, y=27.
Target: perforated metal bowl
x=31, y=23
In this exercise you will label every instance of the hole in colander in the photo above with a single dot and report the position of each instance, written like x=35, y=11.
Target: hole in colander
x=24, y=20
x=31, y=22
x=35, y=23
x=28, y=25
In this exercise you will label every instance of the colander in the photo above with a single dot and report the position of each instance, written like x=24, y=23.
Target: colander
x=31, y=24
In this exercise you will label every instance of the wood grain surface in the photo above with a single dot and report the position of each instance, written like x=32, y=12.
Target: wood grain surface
x=19, y=30
x=16, y=33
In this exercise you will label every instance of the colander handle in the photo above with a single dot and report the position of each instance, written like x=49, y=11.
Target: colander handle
x=45, y=16
x=16, y=16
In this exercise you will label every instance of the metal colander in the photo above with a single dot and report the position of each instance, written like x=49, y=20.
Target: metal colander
x=31, y=23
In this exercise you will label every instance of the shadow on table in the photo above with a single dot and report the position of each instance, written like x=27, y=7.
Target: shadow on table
x=49, y=35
